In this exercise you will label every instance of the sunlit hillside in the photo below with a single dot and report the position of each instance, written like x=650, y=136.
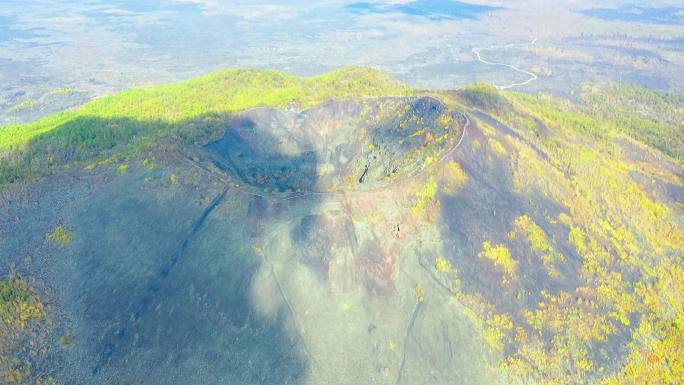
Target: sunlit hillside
x=542, y=236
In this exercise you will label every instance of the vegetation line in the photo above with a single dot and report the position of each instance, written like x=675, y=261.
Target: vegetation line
x=532, y=76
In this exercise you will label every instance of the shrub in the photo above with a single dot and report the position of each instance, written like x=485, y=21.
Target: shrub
x=61, y=235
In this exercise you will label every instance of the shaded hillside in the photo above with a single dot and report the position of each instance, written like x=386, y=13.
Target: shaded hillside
x=130, y=120
x=403, y=237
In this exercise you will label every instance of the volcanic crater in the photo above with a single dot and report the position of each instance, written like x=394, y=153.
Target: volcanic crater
x=338, y=145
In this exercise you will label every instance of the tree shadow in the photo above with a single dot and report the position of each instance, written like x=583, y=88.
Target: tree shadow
x=92, y=138
x=160, y=289
x=251, y=152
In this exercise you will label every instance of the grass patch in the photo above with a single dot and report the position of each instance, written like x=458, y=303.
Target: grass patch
x=61, y=235
x=18, y=302
x=22, y=322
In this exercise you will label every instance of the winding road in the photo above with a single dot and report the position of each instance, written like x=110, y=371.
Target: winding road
x=531, y=76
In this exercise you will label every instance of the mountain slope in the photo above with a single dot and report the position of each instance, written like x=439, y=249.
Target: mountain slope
x=370, y=233
x=135, y=117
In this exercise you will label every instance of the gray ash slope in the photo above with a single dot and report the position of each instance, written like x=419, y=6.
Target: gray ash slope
x=261, y=258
